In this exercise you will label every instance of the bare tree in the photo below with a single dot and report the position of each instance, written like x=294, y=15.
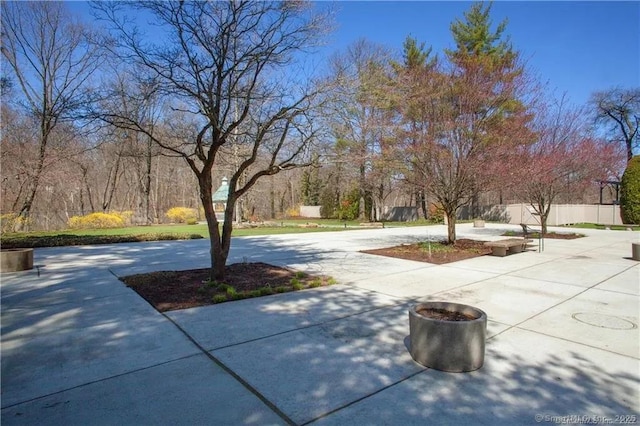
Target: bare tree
x=564, y=159
x=51, y=57
x=620, y=110
x=139, y=101
x=219, y=68
x=360, y=121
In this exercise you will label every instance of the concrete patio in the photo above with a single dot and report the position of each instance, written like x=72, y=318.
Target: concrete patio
x=79, y=347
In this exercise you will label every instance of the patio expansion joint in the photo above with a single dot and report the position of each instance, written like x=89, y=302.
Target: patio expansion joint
x=233, y=374
x=104, y=379
x=362, y=398
x=570, y=341
x=396, y=303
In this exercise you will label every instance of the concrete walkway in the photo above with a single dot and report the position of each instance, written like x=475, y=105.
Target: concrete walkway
x=78, y=347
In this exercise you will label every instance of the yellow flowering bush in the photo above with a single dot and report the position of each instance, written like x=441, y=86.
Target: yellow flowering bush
x=182, y=214
x=96, y=221
x=10, y=222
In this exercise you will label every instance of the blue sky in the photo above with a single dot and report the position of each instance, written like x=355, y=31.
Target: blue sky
x=575, y=47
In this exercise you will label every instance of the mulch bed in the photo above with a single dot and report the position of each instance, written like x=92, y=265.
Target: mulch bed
x=461, y=249
x=171, y=290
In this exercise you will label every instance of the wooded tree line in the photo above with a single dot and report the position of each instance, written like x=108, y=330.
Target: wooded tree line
x=108, y=118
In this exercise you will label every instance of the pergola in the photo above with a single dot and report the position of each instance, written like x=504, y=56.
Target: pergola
x=613, y=183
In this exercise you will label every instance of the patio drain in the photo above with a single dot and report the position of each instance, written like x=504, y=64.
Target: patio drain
x=604, y=321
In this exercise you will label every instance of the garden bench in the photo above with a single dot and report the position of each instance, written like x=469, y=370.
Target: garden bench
x=511, y=245
x=526, y=230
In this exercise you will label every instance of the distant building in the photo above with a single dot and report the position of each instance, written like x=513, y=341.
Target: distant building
x=220, y=199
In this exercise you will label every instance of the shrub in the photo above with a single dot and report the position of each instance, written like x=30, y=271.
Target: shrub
x=11, y=222
x=317, y=282
x=293, y=212
x=125, y=216
x=436, y=213
x=181, y=214
x=349, y=206
x=60, y=240
x=231, y=292
x=266, y=291
x=219, y=298
x=255, y=293
x=96, y=221
x=328, y=203
x=630, y=192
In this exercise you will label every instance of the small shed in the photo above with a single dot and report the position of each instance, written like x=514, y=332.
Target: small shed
x=220, y=199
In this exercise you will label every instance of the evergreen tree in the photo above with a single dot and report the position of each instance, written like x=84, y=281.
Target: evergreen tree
x=630, y=192
x=414, y=79
x=414, y=56
x=475, y=114
x=475, y=37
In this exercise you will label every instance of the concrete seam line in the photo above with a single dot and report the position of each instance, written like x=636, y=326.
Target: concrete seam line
x=561, y=302
x=355, y=401
x=390, y=305
x=100, y=380
x=577, y=343
x=233, y=374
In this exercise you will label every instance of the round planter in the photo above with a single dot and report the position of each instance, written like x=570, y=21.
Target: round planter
x=635, y=251
x=478, y=223
x=12, y=260
x=446, y=345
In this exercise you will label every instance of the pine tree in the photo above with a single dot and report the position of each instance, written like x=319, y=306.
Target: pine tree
x=479, y=113
x=475, y=37
x=414, y=79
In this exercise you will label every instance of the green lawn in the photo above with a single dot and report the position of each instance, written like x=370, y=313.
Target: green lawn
x=164, y=232
x=282, y=227
x=598, y=226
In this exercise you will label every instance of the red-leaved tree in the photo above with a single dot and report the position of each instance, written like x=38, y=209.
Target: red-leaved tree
x=565, y=158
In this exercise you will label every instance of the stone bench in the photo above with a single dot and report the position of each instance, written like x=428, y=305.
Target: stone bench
x=511, y=245
x=372, y=224
x=308, y=225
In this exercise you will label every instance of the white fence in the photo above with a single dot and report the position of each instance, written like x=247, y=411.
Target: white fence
x=564, y=214
x=560, y=214
x=310, y=211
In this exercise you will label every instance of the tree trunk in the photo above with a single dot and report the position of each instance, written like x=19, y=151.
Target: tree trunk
x=423, y=203
x=451, y=226
x=111, y=184
x=147, y=185
x=25, y=210
x=218, y=260
x=543, y=221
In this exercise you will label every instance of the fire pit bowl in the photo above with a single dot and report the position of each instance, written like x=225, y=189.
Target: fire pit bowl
x=447, y=336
